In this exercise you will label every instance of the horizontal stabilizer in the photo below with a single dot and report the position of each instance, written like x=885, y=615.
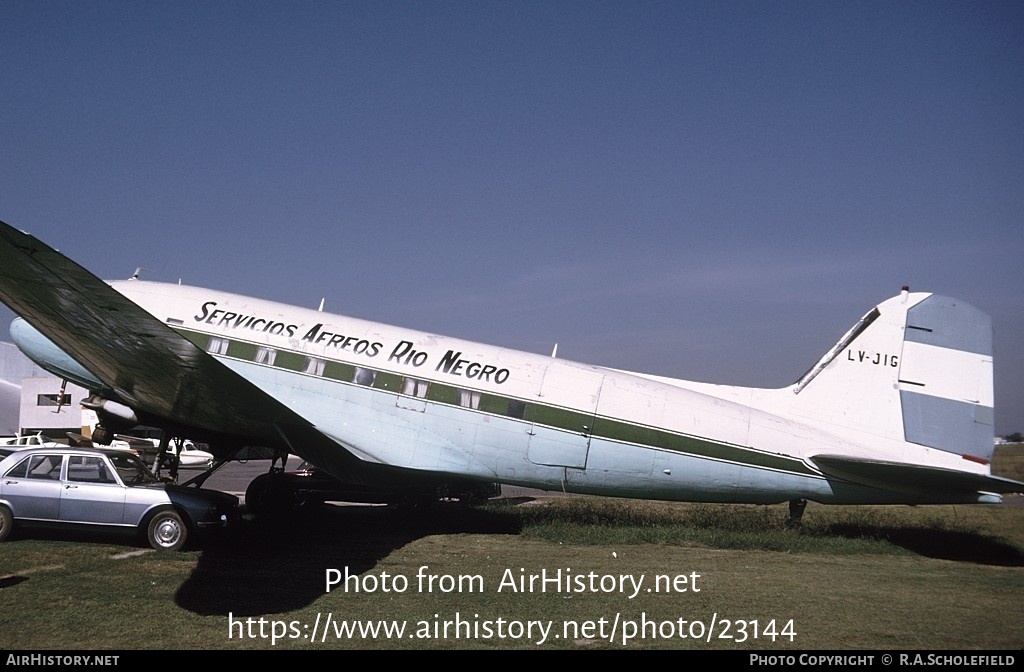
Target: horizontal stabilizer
x=911, y=478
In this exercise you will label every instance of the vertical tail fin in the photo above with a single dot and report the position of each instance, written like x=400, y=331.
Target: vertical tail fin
x=917, y=368
x=946, y=378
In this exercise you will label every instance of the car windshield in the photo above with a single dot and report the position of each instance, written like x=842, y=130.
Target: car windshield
x=132, y=470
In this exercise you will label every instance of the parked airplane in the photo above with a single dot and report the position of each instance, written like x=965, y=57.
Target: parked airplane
x=900, y=410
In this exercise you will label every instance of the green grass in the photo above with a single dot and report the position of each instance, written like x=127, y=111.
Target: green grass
x=850, y=577
x=951, y=532
x=1008, y=461
x=596, y=521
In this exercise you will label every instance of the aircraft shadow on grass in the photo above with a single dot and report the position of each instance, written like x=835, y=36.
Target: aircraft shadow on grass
x=276, y=566
x=272, y=567
x=956, y=545
x=268, y=566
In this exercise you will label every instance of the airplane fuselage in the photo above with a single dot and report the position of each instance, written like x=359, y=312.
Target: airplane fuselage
x=430, y=403
x=900, y=410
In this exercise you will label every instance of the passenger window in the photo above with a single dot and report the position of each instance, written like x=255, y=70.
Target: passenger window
x=88, y=470
x=265, y=355
x=415, y=388
x=45, y=467
x=364, y=376
x=217, y=346
x=468, y=399
x=20, y=470
x=313, y=366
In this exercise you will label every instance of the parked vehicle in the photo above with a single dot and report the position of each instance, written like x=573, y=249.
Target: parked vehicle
x=192, y=457
x=84, y=486
x=21, y=442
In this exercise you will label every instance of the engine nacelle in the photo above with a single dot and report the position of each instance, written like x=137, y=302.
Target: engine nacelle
x=112, y=412
x=113, y=417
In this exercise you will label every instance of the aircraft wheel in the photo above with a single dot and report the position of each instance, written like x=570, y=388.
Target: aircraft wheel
x=257, y=495
x=6, y=522
x=262, y=497
x=167, y=531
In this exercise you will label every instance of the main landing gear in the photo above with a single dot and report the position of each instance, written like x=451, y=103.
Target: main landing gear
x=796, y=512
x=267, y=492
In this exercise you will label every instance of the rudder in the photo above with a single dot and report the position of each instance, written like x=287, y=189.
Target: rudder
x=946, y=378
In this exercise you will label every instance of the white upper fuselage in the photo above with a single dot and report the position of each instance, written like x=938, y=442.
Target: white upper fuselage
x=441, y=404
x=900, y=410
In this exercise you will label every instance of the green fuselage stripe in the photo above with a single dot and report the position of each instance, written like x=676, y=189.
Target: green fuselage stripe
x=530, y=411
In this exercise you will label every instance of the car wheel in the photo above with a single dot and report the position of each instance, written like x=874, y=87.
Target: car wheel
x=167, y=531
x=6, y=522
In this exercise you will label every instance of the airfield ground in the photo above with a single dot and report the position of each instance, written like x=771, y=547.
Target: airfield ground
x=894, y=578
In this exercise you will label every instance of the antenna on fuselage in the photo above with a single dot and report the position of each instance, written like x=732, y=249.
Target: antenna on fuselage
x=321, y=308
x=554, y=351
x=138, y=272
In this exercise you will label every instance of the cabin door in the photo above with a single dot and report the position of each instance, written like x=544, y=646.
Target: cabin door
x=562, y=416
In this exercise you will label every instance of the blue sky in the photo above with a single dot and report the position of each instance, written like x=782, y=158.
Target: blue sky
x=713, y=191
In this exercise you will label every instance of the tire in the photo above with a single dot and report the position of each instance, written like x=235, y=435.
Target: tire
x=6, y=522
x=257, y=496
x=269, y=495
x=167, y=531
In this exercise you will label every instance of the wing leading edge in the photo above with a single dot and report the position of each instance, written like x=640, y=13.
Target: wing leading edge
x=140, y=360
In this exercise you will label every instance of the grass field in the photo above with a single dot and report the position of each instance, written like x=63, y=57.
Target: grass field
x=850, y=578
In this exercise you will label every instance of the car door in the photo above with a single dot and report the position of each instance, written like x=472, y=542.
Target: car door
x=91, y=493
x=33, y=487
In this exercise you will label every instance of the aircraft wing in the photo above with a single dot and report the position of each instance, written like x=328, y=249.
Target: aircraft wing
x=142, y=362
x=911, y=478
